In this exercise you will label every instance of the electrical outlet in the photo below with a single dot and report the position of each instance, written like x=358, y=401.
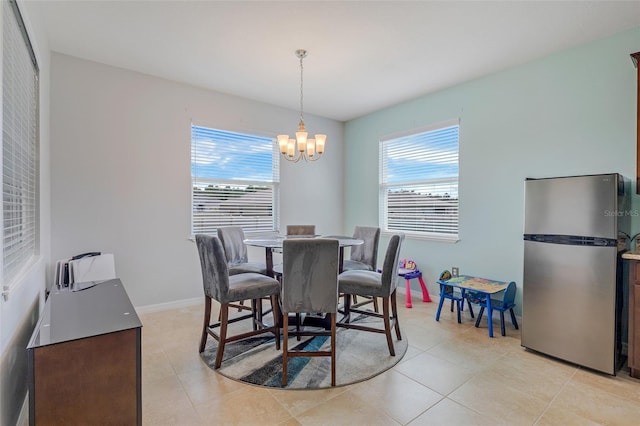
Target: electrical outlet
x=454, y=271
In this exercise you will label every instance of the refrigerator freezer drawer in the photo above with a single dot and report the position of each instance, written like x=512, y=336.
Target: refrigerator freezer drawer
x=569, y=303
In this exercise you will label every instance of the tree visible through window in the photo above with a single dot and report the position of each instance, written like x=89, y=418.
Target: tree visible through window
x=419, y=182
x=235, y=181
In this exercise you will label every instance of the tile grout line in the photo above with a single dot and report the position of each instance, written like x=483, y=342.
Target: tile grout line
x=550, y=403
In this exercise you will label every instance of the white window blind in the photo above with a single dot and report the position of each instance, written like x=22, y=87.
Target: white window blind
x=19, y=148
x=419, y=182
x=235, y=181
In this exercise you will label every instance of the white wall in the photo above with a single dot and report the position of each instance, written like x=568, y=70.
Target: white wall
x=570, y=113
x=121, y=177
x=20, y=312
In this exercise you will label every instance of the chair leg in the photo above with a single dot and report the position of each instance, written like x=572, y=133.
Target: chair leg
x=254, y=313
x=387, y=325
x=502, y=331
x=275, y=311
x=470, y=309
x=513, y=318
x=285, y=347
x=459, y=308
x=480, y=316
x=333, y=348
x=205, y=325
x=451, y=305
x=224, y=321
x=375, y=304
x=394, y=312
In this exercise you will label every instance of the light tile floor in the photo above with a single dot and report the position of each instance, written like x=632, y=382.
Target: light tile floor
x=452, y=374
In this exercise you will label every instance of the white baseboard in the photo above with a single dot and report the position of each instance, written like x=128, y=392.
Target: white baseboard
x=184, y=303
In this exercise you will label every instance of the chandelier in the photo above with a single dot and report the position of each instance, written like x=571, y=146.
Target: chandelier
x=301, y=147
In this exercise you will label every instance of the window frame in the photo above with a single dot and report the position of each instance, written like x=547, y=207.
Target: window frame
x=384, y=185
x=26, y=250
x=200, y=180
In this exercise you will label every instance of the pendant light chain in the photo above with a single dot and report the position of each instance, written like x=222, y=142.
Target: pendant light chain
x=301, y=91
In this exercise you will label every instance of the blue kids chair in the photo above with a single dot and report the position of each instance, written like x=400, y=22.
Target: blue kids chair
x=507, y=303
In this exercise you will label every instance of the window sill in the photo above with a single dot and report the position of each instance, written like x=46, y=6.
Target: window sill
x=425, y=237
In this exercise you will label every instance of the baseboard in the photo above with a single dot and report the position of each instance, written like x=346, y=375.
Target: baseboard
x=184, y=303
x=23, y=418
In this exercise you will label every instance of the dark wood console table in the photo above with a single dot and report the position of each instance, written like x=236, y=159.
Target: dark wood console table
x=84, y=358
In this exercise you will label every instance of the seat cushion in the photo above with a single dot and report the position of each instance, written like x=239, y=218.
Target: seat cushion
x=354, y=265
x=365, y=283
x=242, y=268
x=250, y=286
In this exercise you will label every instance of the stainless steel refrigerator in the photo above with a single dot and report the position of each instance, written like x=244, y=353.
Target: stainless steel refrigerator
x=572, y=290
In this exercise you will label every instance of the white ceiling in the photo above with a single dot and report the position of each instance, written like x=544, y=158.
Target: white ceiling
x=363, y=56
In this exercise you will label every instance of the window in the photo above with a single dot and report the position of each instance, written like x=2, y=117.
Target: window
x=20, y=168
x=235, y=180
x=419, y=182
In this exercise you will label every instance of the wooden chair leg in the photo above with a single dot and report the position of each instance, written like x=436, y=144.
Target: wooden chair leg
x=387, y=325
x=513, y=318
x=333, y=348
x=205, y=325
x=285, y=347
x=394, y=312
x=275, y=311
x=375, y=304
x=224, y=321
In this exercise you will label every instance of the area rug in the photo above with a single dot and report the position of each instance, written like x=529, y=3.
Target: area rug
x=359, y=356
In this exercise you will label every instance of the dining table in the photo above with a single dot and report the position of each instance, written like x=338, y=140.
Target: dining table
x=275, y=242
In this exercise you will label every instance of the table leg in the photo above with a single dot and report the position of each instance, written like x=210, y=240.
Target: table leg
x=425, y=292
x=440, y=302
x=341, y=260
x=408, y=295
x=268, y=251
x=489, y=315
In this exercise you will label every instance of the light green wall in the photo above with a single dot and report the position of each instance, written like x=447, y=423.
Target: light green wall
x=570, y=113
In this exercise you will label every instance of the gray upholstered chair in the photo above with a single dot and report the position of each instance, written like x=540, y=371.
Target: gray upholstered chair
x=235, y=250
x=301, y=229
x=365, y=256
x=310, y=284
x=375, y=284
x=224, y=288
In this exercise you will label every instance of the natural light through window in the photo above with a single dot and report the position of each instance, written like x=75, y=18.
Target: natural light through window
x=419, y=182
x=235, y=181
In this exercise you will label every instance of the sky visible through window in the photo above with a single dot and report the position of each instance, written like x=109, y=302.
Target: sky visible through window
x=218, y=154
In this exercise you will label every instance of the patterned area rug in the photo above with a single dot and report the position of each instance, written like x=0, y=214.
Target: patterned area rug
x=359, y=356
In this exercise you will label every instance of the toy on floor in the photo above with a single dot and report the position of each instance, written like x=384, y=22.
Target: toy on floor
x=409, y=270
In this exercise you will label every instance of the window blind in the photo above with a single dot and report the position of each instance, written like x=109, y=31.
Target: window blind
x=20, y=154
x=419, y=183
x=235, y=181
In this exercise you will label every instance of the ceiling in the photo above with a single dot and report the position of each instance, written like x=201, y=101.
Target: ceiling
x=363, y=55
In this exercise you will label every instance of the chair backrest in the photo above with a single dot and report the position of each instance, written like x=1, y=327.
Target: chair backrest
x=390, y=265
x=215, y=272
x=235, y=250
x=508, y=299
x=310, y=275
x=301, y=229
x=368, y=252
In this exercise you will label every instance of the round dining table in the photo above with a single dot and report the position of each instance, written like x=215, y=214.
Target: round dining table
x=271, y=242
